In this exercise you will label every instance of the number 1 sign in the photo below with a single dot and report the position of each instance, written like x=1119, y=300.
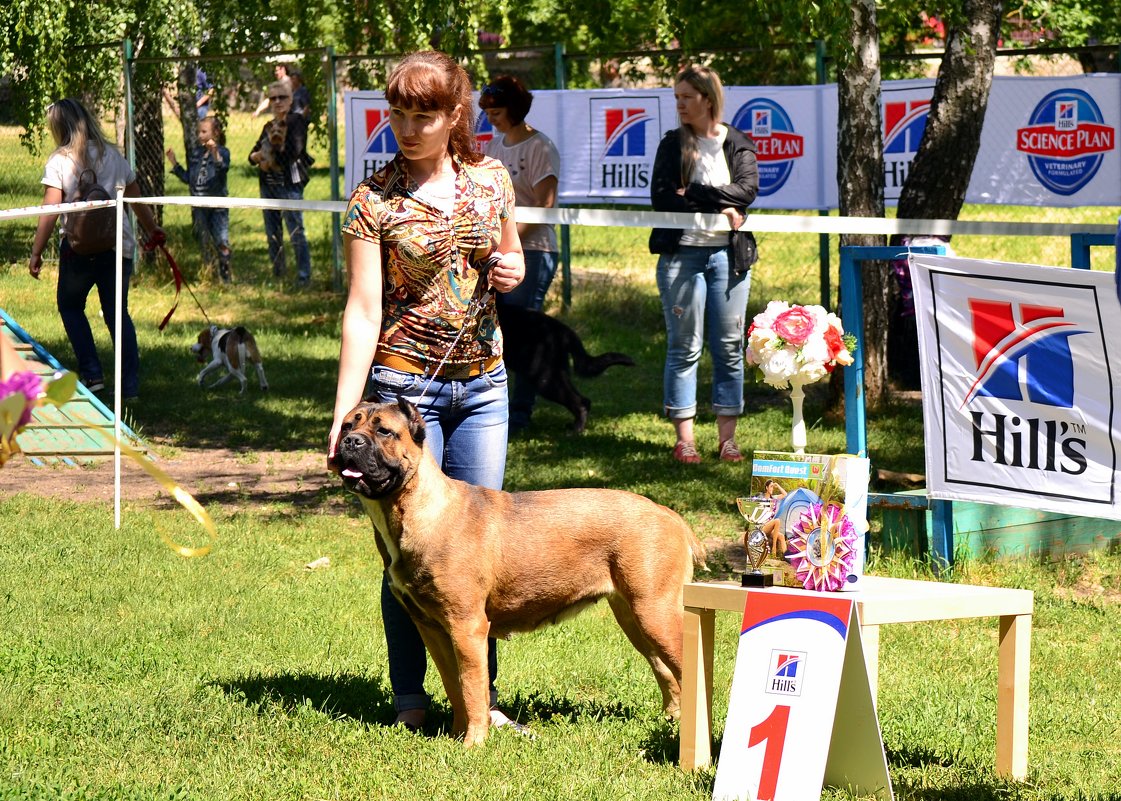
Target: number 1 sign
x=801, y=713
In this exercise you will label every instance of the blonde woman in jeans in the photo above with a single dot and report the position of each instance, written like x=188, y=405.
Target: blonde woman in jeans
x=704, y=276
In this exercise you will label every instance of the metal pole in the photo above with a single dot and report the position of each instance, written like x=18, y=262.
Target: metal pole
x=565, y=232
x=130, y=139
x=333, y=146
x=822, y=239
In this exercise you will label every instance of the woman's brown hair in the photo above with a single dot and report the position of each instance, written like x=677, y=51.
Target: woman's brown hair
x=707, y=83
x=432, y=81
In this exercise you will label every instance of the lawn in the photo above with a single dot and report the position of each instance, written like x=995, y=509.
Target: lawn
x=128, y=672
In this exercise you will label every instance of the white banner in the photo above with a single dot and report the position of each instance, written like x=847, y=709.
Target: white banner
x=1021, y=379
x=1045, y=141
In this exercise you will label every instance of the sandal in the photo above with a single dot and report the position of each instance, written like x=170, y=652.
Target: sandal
x=686, y=453
x=730, y=452
x=499, y=720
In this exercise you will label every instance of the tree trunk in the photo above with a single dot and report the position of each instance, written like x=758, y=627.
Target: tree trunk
x=860, y=178
x=940, y=172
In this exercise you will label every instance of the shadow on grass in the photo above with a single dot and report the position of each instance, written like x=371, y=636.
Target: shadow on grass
x=365, y=700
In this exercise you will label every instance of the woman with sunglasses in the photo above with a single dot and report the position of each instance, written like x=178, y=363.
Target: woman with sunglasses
x=419, y=322
x=281, y=158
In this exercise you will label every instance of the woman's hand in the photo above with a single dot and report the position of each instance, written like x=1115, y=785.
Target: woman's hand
x=35, y=265
x=508, y=272
x=735, y=219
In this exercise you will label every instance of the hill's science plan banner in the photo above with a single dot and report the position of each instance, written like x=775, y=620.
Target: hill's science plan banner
x=1045, y=141
x=1021, y=379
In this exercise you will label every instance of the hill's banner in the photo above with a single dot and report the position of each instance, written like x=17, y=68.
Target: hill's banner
x=1045, y=141
x=1021, y=379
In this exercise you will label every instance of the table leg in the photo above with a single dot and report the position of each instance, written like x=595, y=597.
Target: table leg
x=1012, y=696
x=870, y=639
x=698, y=633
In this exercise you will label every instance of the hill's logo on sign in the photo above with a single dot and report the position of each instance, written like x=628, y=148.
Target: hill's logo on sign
x=779, y=147
x=1065, y=139
x=1023, y=354
x=484, y=131
x=381, y=144
x=626, y=129
x=784, y=677
x=904, y=125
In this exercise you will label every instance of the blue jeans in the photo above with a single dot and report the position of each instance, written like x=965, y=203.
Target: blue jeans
x=699, y=290
x=540, y=268
x=212, y=224
x=465, y=430
x=77, y=275
x=294, y=221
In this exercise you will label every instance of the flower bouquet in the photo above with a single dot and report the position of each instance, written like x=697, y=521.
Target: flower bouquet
x=791, y=346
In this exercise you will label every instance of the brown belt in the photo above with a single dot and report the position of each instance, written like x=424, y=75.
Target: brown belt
x=457, y=371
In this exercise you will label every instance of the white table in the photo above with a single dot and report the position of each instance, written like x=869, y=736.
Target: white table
x=880, y=601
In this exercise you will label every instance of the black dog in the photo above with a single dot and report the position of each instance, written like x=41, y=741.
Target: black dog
x=539, y=348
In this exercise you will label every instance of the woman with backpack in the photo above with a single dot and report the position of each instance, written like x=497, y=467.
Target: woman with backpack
x=83, y=162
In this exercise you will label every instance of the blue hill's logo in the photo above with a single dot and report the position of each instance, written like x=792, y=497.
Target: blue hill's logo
x=484, y=131
x=1024, y=360
x=1065, y=140
x=904, y=125
x=786, y=673
x=380, y=140
x=778, y=145
x=624, y=132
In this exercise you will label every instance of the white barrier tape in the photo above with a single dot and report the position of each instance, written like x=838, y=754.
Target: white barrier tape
x=242, y=203
x=772, y=223
x=53, y=208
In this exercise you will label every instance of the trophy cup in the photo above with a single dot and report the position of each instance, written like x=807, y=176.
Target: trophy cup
x=758, y=547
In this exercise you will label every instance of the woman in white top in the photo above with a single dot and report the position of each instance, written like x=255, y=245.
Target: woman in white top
x=81, y=145
x=704, y=276
x=534, y=166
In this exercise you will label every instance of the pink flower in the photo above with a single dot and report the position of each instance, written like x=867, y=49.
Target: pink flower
x=795, y=326
x=27, y=383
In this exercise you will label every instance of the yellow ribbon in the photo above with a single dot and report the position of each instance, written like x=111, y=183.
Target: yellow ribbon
x=58, y=392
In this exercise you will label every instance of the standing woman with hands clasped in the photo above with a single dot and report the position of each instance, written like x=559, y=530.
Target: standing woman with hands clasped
x=416, y=234
x=704, y=276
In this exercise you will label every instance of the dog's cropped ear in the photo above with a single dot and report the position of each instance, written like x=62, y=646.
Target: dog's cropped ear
x=416, y=422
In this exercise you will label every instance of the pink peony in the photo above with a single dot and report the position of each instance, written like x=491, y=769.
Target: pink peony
x=27, y=383
x=795, y=326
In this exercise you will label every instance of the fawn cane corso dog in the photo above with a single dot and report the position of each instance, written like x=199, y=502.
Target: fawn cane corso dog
x=470, y=563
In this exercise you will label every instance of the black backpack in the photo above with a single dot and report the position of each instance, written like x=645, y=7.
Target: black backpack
x=94, y=231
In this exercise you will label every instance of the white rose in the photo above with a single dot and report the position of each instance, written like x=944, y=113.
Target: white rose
x=779, y=367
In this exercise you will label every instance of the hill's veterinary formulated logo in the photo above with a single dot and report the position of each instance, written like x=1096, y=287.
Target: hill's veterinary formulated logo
x=1065, y=139
x=484, y=131
x=381, y=144
x=904, y=125
x=625, y=132
x=778, y=145
x=786, y=671
x=1023, y=355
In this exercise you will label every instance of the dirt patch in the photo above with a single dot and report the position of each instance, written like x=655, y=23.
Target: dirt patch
x=233, y=478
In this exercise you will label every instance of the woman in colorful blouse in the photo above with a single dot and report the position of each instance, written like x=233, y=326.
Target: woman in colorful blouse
x=417, y=233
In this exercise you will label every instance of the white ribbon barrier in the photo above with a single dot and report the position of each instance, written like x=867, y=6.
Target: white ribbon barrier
x=56, y=208
x=773, y=223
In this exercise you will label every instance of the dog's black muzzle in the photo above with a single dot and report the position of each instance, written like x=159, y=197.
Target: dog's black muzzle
x=361, y=468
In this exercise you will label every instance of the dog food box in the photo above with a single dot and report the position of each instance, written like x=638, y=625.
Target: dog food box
x=813, y=510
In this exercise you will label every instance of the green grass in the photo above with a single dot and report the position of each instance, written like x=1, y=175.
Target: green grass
x=126, y=672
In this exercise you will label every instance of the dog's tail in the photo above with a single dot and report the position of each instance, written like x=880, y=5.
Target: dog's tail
x=590, y=366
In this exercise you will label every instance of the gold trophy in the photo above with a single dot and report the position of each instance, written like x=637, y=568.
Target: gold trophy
x=755, y=542
x=758, y=547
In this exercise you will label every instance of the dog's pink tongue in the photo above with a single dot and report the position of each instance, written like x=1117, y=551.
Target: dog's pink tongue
x=349, y=473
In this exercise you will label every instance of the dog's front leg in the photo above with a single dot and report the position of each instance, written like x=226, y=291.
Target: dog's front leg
x=214, y=365
x=439, y=645
x=470, y=642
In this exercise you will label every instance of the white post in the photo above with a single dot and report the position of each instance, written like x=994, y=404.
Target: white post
x=117, y=317
x=798, y=429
